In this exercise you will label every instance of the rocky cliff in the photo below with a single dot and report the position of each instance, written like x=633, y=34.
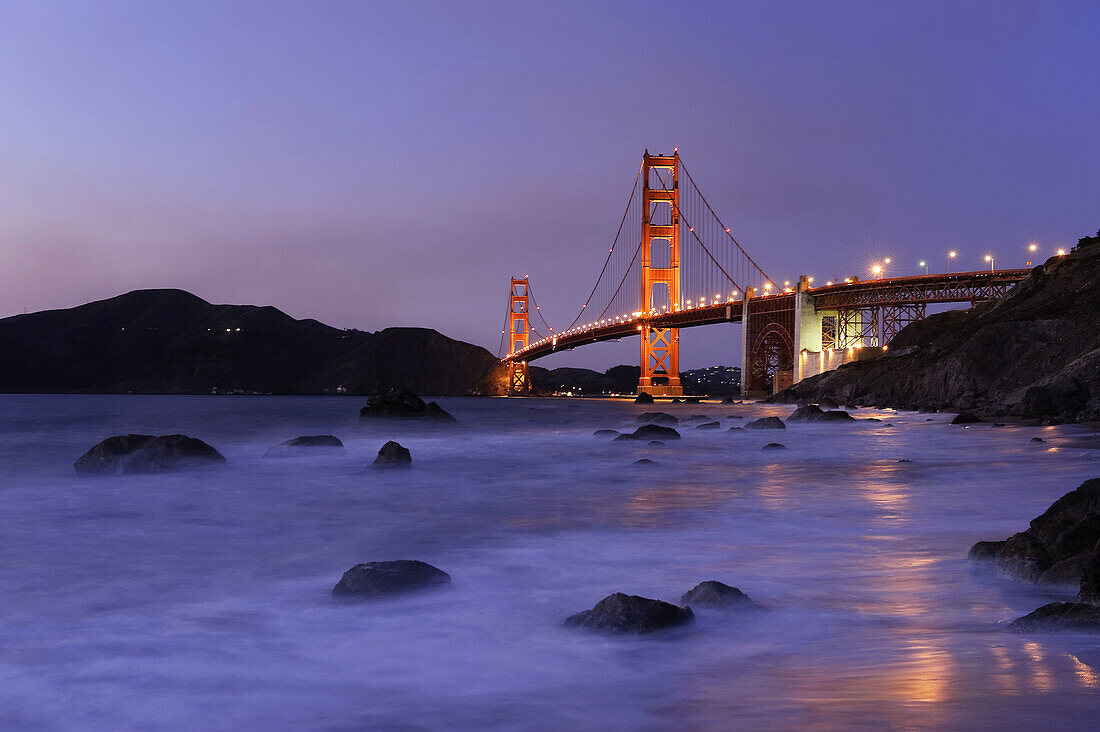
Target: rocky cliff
x=1034, y=354
x=172, y=342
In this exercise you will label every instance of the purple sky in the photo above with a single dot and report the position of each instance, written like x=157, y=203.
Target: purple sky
x=376, y=164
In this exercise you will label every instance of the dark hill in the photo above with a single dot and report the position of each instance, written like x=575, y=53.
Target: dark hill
x=1034, y=354
x=170, y=341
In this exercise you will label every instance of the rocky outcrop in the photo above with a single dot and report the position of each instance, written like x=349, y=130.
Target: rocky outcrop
x=714, y=594
x=812, y=413
x=1059, y=616
x=146, y=454
x=621, y=613
x=1034, y=354
x=766, y=423
x=305, y=443
x=393, y=455
x=966, y=418
x=655, y=432
x=1058, y=544
x=403, y=404
x=374, y=580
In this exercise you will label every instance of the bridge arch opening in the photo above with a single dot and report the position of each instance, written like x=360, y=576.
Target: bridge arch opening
x=520, y=327
x=660, y=254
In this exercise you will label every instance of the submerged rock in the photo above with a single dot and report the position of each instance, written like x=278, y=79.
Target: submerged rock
x=966, y=418
x=718, y=595
x=643, y=398
x=774, y=446
x=605, y=433
x=656, y=418
x=766, y=423
x=373, y=580
x=645, y=461
x=393, y=455
x=1037, y=439
x=1059, y=616
x=654, y=443
x=709, y=426
x=146, y=454
x=620, y=613
x=305, y=442
x=736, y=429
x=403, y=404
x=655, y=431
x=691, y=400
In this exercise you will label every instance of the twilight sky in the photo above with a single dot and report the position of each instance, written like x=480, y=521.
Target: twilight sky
x=377, y=164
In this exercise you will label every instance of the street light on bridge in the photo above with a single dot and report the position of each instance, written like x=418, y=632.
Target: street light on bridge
x=876, y=270
x=885, y=262
x=925, y=265
x=1031, y=248
x=989, y=258
x=950, y=257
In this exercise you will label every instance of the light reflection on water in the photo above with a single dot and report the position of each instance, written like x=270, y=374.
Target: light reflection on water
x=203, y=598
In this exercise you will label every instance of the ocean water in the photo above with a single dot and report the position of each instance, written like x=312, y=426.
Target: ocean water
x=200, y=600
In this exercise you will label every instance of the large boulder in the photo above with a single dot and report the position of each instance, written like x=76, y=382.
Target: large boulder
x=966, y=418
x=1058, y=544
x=718, y=595
x=709, y=426
x=146, y=454
x=305, y=443
x=1059, y=616
x=643, y=398
x=810, y=413
x=393, y=455
x=766, y=423
x=620, y=613
x=373, y=580
x=403, y=404
x=655, y=432
x=656, y=418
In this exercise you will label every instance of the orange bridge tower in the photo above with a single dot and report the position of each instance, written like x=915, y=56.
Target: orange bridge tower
x=519, y=335
x=660, y=346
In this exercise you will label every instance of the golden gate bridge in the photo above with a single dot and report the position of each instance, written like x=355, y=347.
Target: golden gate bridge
x=686, y=269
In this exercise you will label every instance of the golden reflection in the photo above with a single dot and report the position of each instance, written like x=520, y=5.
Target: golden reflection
x=1004, y=672
x=1086, y=675
x=879, y=482
x=1041, y=678
x=652, y=505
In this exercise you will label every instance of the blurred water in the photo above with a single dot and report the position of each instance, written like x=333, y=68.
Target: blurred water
x=201, y=600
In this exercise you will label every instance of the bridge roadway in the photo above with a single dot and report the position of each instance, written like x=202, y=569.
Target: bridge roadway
x=969, y=287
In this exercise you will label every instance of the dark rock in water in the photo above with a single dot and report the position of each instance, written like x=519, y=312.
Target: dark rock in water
x=985, y=550
x=774, y=446
x=621, y=613
x=403, y=404
x=1057, y=545
x=655, y=431
x=623, y=437
x=146, y=454
x=966, y=418
x=645, y=461
x=718, y=595
x=828, y=403
x=905, y=460
x=696, y=418
x=999, y=424
x=691, y=400
x=709, y=426
x=734, y=416
x=654, y=443
x=766, y=423
x=656, y=418
x=393, y=455
x=1059, y=616
x=605, y=433
x=728, y=400
x=736, y=429
x=1037, y=439
x=810, y=413
x=305, y=442
x=677, y=401
x=643, y=398
x=382, y=579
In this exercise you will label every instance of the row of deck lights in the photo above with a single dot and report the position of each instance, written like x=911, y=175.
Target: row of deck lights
x=878, y=270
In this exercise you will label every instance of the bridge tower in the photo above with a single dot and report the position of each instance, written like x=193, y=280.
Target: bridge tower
x=519, y=336
x=660, y=374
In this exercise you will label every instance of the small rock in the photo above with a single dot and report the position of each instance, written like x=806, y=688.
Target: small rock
x=1059, y=616
x=774, y=446
x=643, y=398
x=620, y=613
x=734, y=416
x=718, y=595
x=709, y=426
x=645, y=461
x=677, y=401
x=736, y=429
x=295, y=446
x=872, y=419
x=656, y=418
x=655, y=431
x=403, y=404
x=766, y=423
x=1037, y=439
x=605, y=433
x=381, y=579
x=393, y=455
x=125, y=454
x=691, y=400
x=624, y=437
x=999, y=424
x=966, y=418
x=905, y=460
x=654, y=443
